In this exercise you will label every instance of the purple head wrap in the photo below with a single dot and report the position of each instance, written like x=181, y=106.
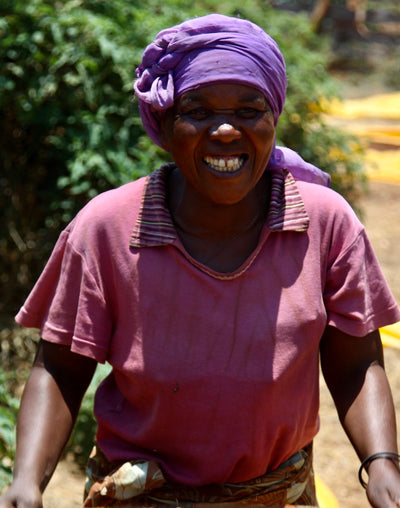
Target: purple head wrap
x=215, y=49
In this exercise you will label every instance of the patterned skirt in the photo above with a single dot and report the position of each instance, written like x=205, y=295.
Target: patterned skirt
x=138, y=484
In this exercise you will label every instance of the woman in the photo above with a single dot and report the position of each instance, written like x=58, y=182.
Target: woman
x=211, y=287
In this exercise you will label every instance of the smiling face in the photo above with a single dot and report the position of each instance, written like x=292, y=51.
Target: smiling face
x=221, y=137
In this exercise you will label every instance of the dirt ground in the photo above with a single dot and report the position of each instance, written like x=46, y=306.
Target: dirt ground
x=335, y=461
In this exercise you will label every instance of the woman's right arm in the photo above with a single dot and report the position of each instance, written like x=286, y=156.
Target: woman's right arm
x=49, y=407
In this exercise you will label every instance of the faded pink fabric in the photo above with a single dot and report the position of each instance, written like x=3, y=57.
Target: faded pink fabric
x=214, y=378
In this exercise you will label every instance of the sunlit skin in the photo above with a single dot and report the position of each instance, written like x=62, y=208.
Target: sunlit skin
x=227, y=124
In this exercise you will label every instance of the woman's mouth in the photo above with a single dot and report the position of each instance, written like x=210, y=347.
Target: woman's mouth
x=225, y=164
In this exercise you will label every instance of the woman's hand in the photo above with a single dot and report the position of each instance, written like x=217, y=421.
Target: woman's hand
x=383, y=489
x=21, y=496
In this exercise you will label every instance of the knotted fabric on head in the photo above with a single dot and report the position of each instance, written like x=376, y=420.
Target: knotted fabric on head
x=203, y=51
x=208, y=50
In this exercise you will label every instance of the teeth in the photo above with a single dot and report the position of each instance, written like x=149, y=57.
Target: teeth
x=232, y=163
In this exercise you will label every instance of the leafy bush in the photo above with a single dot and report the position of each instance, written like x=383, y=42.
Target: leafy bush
x=392, y=71
x=68, y=126
x=69, y=129
x=8, y=414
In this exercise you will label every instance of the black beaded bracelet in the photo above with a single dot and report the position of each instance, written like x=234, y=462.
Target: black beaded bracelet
x=394, y=457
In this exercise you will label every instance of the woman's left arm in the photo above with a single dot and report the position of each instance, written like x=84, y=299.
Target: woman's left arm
x=353, y=369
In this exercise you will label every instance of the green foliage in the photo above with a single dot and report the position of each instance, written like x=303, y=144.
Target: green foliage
x=69, y=128
x=392, y=71
x=8, y=415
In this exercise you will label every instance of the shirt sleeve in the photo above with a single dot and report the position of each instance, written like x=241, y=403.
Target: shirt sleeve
x=357, y=297
x=67, y=303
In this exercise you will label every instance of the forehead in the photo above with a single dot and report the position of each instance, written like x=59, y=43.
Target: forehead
x=222, y=93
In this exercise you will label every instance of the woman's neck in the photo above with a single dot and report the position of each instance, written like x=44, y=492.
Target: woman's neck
x=195, y=216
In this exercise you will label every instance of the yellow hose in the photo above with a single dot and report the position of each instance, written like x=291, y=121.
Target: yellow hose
x=325, y=497
x=390, y=336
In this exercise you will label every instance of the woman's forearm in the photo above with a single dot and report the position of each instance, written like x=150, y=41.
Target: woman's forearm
x=354, y=372
x=370, y=420
x=44, y=425
x=49, y=407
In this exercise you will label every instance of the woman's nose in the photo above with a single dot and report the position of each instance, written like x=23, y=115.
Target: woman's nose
x=225, y=132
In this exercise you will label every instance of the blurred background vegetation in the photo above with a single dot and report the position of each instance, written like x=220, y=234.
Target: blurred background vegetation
x=70, y=128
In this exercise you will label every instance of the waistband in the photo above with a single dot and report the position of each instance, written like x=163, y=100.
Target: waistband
x=137, y=484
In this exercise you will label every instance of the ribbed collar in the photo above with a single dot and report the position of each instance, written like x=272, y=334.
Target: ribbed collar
x=154, y=226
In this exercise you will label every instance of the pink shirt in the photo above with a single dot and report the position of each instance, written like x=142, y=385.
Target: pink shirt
x=215, y=376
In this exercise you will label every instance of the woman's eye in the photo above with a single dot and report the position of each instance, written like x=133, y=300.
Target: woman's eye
x=198, y=113
x=202, y=113
x=248, y=113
